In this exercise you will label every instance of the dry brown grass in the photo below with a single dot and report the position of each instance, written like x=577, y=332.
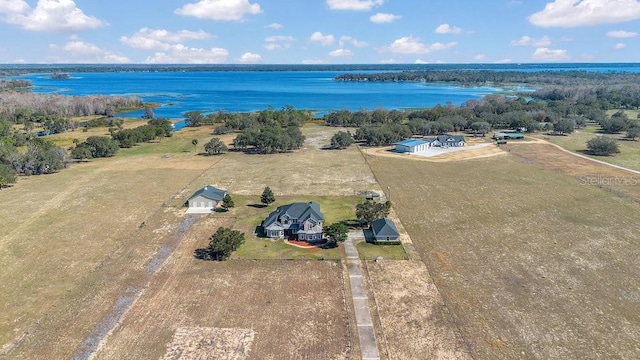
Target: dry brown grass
x=295, y=308
x=80, y=241
x=415, y=322
x=75, y=242
x=308, y=171
x=530, y=262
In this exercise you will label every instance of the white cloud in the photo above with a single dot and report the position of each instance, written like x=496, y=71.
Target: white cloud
x=78, y=51
x=354, y=42
x=278, y=42
x=341, y=53
x=161, y=39
x=181, y=54
x=504, y=61
x=250, y=58
x=420, y=61
x=229, y=10
x=479, y=57
x=382, y=18
x=274, y=26
x=14, y=7
x=324, y=40
x=529, y=41
x=441, y=46
x=314, y=61
x=622, y=34
x=574, y=13
x=357, y=5
x=80, y=47
x=412, y=45
x=620, y=46
x=547, y=54
x=48, y=15
x=523, y=41
x=448, y=29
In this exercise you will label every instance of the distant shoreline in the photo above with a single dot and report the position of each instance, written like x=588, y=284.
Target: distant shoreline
x=23, y=69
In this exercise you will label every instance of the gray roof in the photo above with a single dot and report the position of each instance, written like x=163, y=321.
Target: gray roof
x=384, y=227
x=210, y=192
x=447, y=138
x=298, y=210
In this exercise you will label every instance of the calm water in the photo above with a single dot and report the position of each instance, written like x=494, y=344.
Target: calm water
x=243, y=91
x=180, y=90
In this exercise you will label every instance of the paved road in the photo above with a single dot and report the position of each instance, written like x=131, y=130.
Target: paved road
x=366, y=333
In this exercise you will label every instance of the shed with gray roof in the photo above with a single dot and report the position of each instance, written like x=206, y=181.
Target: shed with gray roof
x=205, y=200
x=384, y=231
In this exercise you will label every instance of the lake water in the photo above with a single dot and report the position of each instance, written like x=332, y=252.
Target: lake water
x=242, y=91
x=178, y=91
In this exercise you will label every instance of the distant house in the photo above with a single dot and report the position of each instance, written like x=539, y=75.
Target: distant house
x=384, y=231
x=448, y=141
x=300, y=220
x=411, y=146
x=205, y=200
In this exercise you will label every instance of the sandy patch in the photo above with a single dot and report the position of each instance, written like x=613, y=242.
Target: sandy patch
x=195, y=343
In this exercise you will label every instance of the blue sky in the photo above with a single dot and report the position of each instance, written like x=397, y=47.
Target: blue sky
x=319, y=31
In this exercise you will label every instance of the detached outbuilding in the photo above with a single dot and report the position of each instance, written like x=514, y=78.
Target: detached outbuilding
x=412, y=146
x=205, y=200
x=384, y=231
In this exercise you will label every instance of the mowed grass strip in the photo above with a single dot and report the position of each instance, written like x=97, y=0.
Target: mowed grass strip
x=368, y=251
x=531, y=263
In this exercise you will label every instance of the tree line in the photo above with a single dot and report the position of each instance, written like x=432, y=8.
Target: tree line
x=476, y=77
x=26, y=107
x=262, y=132
x=557, y=110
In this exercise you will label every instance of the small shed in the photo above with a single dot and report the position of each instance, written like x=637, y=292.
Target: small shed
x=205, y=200
x=384, y=231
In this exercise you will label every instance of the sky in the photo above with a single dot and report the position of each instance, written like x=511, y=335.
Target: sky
x=318, y=31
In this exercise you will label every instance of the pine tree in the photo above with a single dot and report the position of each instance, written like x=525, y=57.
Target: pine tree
x=267, y=196
x=227, y=202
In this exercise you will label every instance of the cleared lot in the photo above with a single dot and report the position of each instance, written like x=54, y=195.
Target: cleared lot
x=531, y=262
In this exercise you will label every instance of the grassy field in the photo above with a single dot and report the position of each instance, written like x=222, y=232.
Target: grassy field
x=577, y=142
x=291, y=306
x=414, y=321
x=78, y=238
x=309, y=171
x=81, y=242
x=531, y=262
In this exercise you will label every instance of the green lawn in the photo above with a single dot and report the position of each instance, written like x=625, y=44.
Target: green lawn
x=248, y=216
x=369, y=251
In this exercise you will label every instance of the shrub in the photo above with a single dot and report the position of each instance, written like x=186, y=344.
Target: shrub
x=603, y=146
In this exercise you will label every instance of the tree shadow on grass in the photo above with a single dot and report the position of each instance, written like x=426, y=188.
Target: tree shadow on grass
x=257, y=206
x=205, y=254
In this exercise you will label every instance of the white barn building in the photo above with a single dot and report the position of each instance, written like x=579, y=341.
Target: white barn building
x=412, y=146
